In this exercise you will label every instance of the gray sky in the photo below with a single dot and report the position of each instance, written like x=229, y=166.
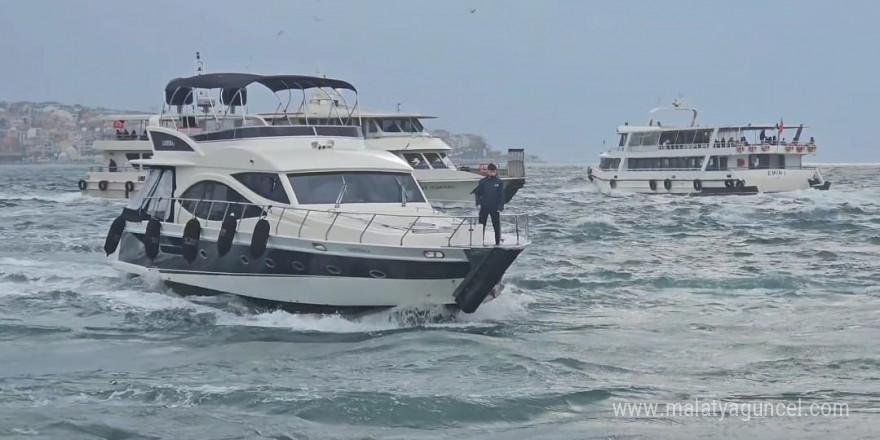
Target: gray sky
x=554, y=77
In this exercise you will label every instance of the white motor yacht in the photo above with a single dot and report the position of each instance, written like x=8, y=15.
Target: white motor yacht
x=304, y=217
x=403, y=134
x=695, y=160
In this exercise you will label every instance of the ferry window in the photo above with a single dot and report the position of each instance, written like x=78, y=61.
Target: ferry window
x=650, y=138
x=199, y=197
x=372, y=126
x=668, y=137
x=435, y=160
x=360, y=187
x=148, y=155
x=405, y=125
x=607, y=163
x=416, y=161
x=685, y=137
x=266, y=185
x=417, y=126
x=702, y=136
x=622, y=140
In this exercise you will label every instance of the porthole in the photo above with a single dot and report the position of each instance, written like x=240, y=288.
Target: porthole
x=298, y=266
x=333, y=269
x=377, y=274
x=203, y=253
x=245, y=259
x=270, y=263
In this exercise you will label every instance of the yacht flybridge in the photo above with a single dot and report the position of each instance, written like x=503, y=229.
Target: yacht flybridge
x=695, y=160
x=301, y=216
x=403, y=134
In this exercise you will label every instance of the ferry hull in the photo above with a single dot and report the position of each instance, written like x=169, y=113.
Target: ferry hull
x=706, y=183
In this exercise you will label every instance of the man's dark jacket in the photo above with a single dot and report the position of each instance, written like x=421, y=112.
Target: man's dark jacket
x=489, y=194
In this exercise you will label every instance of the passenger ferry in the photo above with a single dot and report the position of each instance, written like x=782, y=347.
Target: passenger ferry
x=303, y=216
x=696, y=160
x=117, y=176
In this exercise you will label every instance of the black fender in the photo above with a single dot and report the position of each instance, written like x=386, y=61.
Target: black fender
x=667, y=184
x=652, y=184
x=259, y=238
x=227, y=233
x=151, y=238
x=102, y=185
x=698, y=185
x=192, y=234
x=114, y=235
x=82, y=184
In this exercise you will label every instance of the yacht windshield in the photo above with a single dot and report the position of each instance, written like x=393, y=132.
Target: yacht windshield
x=360, y=187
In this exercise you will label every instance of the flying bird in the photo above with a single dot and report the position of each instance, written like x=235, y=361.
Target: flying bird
x=279, y=33
x=473, y=10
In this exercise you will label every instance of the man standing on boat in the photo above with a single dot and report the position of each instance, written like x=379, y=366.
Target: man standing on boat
x=489, y=195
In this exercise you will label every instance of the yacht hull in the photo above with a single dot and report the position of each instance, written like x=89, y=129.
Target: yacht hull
x=706, y=183
x=298, y=279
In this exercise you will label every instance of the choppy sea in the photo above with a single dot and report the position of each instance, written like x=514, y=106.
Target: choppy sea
x=750, y=302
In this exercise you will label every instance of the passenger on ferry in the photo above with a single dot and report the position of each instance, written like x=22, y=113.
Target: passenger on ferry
x=112, y=166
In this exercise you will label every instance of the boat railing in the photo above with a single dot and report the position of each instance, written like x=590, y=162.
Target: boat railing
x=457, y=230
x=109, y=169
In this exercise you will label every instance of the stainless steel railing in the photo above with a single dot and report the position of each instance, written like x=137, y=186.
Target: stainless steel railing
x=455, y=230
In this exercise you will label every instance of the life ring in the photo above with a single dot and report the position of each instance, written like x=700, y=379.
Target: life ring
x=667, y=184
x=227, y=233
x=765, y=147
x=102, y=185
x=752, y=148
x=192, y=233
x=652, y=184
x=789, y=147
x=151, y=238
x=114, y=235
x=811, y=148
x=613, y=183
x=82, y=184
x=259, y=238
x=740, y=148
x=698, y=185
x=800, y=148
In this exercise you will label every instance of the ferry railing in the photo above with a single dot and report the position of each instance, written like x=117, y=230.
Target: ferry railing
x=455, y=230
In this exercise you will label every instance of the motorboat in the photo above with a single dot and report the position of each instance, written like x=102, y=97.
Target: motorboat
x=403, y=134
x=697, y=160
x=303, y=217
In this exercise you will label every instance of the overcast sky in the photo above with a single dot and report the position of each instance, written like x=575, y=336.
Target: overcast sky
x=554, y=77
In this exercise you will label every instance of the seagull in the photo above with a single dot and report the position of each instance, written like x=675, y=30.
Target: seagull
x=473, y=10
x=279, y=33
x=317, y=18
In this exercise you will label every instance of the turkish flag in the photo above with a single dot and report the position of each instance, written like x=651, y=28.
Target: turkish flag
x=118, y=124
x=780, y=127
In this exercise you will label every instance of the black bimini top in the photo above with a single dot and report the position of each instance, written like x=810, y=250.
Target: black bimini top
x=179, y=90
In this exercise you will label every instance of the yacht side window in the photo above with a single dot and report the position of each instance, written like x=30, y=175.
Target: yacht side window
x=266, y=185
x=210, y=200
x=390, y=126
x=435, y=160
x=416, y=161
x=417, y=126
x=354, y=187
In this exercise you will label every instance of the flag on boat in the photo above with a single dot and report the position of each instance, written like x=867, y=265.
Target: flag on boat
x=118, y=124
x=780, y=127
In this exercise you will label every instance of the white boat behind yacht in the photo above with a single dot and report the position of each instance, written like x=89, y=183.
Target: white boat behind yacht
x=403, y=134
x=697, y=160
x=304, y=217
x=117, y=176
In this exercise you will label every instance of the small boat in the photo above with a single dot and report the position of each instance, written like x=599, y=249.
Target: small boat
x=698, y=160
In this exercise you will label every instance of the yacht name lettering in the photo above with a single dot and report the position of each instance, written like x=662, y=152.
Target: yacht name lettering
x=168, y=143
x=776, y=172
x=358, y=250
